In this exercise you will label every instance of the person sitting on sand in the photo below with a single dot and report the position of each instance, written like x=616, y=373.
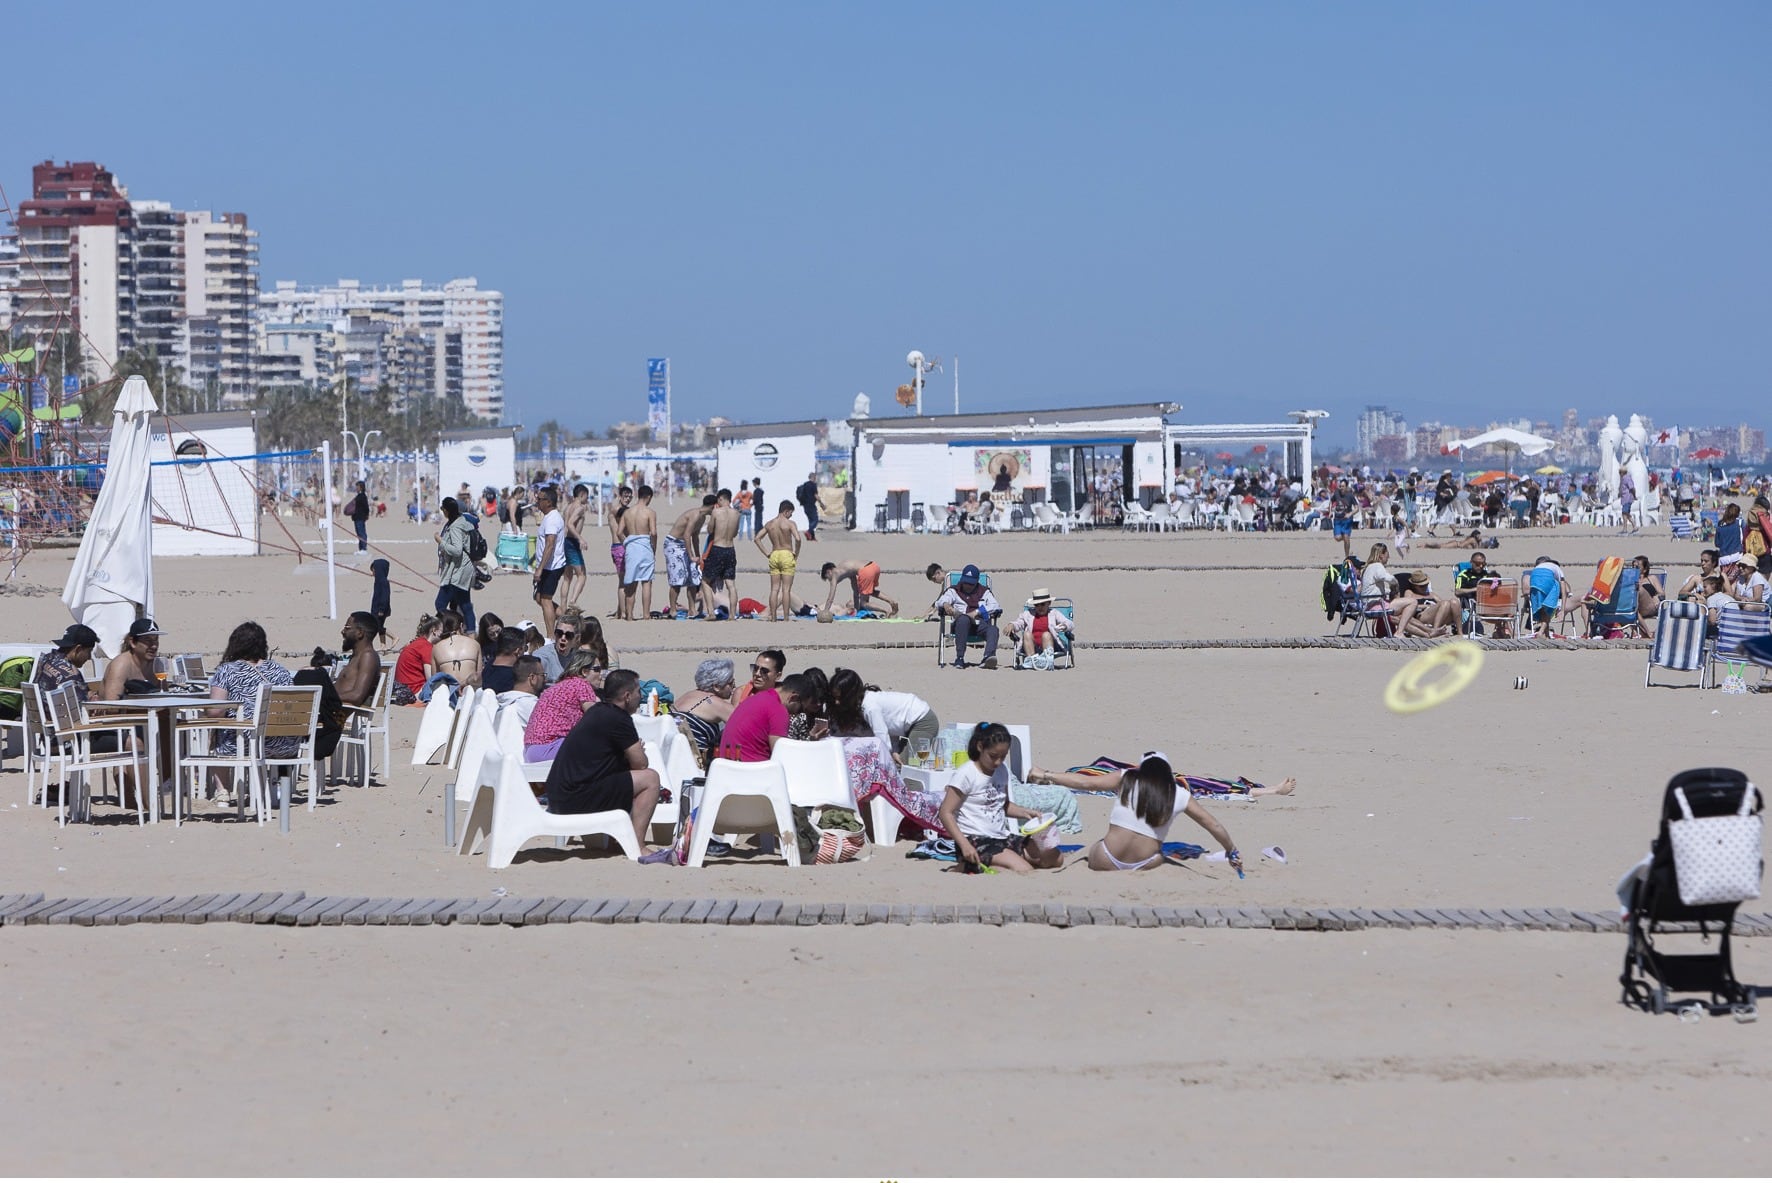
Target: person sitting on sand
x=976, y=810
x=1141, y=817
x=413, y=668
x=1650, y=593
x=1472, y=541
x=455, y=655
x=864, y=580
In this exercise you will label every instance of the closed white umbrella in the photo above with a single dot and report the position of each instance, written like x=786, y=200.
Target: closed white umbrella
x=112, y=582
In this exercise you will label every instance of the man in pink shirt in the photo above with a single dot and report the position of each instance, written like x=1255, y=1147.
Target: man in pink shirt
x=761, y=719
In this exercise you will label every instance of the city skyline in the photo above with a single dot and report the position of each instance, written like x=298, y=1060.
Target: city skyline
x=1223, y=206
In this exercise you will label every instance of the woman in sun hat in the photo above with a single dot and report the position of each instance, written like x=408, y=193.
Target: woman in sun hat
x=1038, y=628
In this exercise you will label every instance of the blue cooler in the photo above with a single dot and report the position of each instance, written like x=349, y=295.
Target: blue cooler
x=515, y=552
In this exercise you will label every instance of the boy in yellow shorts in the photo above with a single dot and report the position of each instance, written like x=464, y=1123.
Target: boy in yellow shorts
x=779, y=540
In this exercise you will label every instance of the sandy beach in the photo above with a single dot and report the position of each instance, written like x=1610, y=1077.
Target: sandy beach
x=936, y=1050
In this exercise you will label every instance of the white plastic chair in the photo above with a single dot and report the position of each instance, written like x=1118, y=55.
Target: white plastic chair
x=361, y=727
x=816, y=772
x=513, y=816
x=194, y=758
x=436, y=728
x=1161, y=518
x=744, y=798
x=479, y=737
x=466, y=703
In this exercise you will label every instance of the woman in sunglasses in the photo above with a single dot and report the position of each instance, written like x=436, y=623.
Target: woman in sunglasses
x=559, y=707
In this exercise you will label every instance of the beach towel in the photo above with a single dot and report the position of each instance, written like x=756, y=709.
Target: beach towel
x=1217, y=788
x=1547, y=590
x=1054, y=799
x=1605, y=579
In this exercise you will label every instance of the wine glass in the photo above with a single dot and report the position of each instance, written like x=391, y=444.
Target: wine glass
x=160, y=672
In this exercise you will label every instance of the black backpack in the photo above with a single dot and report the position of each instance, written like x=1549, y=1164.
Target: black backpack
x=476, y=545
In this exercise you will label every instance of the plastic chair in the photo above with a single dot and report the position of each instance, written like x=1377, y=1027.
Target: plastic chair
x=43, y=756
x=466, y=703
x=73, y=732
x=289, y=712
x=363, y=723
x=816, y=772
x=744, y=798
x=513, y=816
x=188, y=757
x=436, y=728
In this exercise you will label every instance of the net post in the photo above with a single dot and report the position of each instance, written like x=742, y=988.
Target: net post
x=326, y=528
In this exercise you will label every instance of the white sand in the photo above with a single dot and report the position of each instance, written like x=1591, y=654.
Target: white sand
x=1417, y=1052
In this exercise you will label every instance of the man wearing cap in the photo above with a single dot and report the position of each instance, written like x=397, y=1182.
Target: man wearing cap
x=1038, y=628
x=975, y=611
x=61, y=665
x=141, y=645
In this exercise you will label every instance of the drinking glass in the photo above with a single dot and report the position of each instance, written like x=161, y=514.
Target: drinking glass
x=160, y=672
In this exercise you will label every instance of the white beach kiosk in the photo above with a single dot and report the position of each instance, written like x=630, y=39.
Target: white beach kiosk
x=908, y=469
x=778, y=454
x=476, y=457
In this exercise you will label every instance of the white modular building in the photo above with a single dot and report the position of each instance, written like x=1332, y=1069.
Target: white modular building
x=476, y=457
x=204, y=484
x=907, y=470
x=587, y=461
x=779, y=455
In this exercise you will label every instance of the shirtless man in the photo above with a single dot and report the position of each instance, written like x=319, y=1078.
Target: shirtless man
x=719, y=567
x=640, y=560
x=779, y=540
x=362, y=669
x=454, y=652
x=577, y=513
x=618, y=546
x=864, y=580
x=681, y=546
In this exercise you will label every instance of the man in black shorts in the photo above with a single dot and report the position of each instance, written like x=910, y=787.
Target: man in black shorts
x=719, y=570
x=601, y=764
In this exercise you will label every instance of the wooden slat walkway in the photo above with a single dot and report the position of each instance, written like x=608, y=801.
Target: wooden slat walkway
x=294, y=908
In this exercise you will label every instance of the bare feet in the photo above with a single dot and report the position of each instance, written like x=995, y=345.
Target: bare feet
x=1283, y=789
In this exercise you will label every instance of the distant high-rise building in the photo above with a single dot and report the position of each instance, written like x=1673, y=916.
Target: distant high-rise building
x=475, y=317
x=1374, y=424
x=122, y=275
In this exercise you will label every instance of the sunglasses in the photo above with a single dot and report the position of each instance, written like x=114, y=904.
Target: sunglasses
x=564, y=632
x=763, y=669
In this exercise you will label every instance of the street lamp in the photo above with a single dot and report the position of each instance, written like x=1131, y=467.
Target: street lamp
x=362, y=442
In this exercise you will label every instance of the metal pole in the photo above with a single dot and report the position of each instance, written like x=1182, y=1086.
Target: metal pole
x=326, y=528
x=956, y=384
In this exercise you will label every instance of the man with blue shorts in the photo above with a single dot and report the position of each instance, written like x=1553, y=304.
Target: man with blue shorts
x=576, y=512
x=1341, y=515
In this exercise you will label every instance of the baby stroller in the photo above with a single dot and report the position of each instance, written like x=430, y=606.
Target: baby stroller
x=1655, y=889
x=1064, y=652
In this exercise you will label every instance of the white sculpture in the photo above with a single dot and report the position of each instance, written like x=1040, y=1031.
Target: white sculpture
x=1606, y=488
x=1635, y=460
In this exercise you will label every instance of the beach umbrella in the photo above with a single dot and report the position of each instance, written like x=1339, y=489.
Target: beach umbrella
x=112, y=580
x=1521, y=443
x=1490, y=477
x=1226, y=456
x=1708, y=454
x=1550, y=470
x=1259, y=449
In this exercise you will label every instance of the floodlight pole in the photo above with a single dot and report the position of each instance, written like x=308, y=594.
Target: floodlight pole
x=326, y=528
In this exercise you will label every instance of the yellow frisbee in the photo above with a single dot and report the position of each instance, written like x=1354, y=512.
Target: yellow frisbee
x=1434, y=677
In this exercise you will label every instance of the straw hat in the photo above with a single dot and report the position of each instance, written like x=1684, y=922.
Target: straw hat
x=1040, y=596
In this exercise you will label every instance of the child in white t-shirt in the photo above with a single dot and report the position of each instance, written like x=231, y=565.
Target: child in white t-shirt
x=977, y=809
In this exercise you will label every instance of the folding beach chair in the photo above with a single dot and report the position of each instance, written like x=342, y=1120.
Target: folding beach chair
x=944, y=625
x=1620, y=610
x=1736, y=623
x=1064, y=653
x=1679, y=639
x=1497, y=602
x=1653, y=898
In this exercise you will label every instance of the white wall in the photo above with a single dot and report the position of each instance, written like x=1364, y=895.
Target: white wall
x=590, y=462
x=479, y=462
x=205, y=509
x=781, y=462
x=926, y=468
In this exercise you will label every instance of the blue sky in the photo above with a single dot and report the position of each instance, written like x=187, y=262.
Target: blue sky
x=1461, y=211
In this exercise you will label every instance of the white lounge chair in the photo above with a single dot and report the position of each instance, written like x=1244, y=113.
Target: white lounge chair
x=744, y=798
x=512, y=816
x=435, y=728
x=816, y=772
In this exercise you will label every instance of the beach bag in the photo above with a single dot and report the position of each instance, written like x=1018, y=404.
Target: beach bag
x=14, y=673
x=1753, y=542
x=829, y=835
x=476, y=546
x=1717, y=859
